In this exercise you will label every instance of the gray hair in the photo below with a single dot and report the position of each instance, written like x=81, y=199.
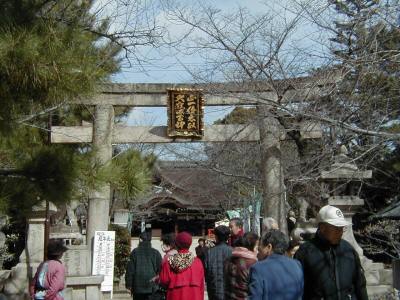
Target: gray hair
x=269, y=224
x=278, y=240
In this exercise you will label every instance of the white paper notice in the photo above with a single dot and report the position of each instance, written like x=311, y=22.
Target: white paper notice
x=103, y=258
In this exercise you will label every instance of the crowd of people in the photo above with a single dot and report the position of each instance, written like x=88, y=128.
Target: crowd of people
x=246, y=266
x=238, y=266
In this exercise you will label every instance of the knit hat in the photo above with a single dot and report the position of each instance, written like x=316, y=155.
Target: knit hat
x=183, y=240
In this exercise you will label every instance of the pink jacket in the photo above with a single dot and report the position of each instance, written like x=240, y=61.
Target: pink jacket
x=54, y=280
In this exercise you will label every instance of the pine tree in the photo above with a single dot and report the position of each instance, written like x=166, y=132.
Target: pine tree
x=367, y=48
x=52, y=52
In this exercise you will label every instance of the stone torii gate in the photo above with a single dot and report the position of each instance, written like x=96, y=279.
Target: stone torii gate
x=104, y=133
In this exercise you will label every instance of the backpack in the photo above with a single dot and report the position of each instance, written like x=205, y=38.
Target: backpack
x=40, y=291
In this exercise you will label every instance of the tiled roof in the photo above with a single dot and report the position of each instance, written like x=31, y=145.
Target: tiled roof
x=188, y=186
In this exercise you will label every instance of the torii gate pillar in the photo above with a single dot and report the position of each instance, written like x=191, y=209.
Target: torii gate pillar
x=271, y=166
x=99, y=200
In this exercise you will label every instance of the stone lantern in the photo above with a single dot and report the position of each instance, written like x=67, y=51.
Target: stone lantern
x=344, y=181
x=16, y=283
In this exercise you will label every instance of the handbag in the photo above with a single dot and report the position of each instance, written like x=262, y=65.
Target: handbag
x=159, y=293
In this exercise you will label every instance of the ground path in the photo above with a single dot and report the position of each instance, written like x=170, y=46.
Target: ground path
x=122, y=293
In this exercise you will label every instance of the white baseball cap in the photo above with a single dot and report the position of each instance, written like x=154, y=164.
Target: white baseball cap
x=332, y=215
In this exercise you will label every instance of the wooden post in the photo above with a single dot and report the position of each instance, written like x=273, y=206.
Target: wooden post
x=46, y=230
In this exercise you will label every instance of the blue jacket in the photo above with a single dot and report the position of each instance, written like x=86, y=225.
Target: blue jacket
x=276, y=278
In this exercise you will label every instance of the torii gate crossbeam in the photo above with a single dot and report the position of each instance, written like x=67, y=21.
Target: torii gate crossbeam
x=104, y=132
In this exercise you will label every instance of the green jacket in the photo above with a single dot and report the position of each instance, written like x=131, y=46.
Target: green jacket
x=143, y=265
x=331, y=272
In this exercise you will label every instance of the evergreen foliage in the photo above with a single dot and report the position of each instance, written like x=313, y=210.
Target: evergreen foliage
x=131, y=174
x=367, y=47
x=50, y=52
x=239, y=115
x=122, y=249
x=15, y=241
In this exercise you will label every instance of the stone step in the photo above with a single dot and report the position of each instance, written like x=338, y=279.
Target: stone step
x=125, y=296
x=373, y=266
x=386, y=276
x=119, y=295
x=372, y=277
x=379, y=290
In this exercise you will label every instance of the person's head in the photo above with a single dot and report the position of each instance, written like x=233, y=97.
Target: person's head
x=249, y=241
x=269, y=224
x=331, y=224
x=168, y=242
x=145, y=236
x=183, y=240
x=272, y=242
x=221, y=233
x=293, y=247
x=55, y=249
x=235, y=225
x=202, y=242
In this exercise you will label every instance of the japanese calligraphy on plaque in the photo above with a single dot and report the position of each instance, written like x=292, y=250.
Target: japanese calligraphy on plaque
x=185, y=113
x=103, y=258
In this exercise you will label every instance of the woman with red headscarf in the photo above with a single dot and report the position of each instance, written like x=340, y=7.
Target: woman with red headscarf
x=183, y=274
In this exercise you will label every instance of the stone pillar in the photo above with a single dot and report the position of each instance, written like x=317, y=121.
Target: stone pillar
x=99, y=201
x=271, y=168
x=303, y=206
x=16, y=286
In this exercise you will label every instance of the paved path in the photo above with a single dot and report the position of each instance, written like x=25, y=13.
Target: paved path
x=126, y=296
x=156, y=243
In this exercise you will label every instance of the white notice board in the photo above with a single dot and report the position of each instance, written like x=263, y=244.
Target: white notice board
x=103, y=258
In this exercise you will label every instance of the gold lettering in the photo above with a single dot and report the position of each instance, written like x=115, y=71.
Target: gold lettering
x=178, y=105
x=191, y=100
x=179, y=124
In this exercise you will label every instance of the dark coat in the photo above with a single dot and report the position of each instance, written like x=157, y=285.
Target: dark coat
x=331, y=272
x=276, y=278
x=144, y=264
x=201, y=252
x=236, y=274
x=214, y=270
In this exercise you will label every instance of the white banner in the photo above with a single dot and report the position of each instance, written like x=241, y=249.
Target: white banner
x=103, y=258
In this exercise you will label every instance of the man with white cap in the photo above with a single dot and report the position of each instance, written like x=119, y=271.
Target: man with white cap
x=332, y=268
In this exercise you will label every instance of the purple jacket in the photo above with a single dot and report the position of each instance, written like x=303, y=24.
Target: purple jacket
x=52, y=282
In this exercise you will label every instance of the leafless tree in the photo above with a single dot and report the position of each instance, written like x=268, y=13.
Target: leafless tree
x=265, y=56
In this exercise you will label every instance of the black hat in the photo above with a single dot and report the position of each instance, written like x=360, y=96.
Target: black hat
x=55, y=248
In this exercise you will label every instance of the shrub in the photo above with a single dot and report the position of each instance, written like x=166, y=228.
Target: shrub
x=122, y=249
